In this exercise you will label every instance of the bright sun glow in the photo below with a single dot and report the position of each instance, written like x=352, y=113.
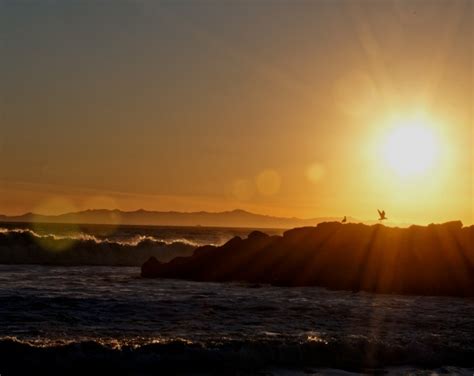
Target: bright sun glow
x=411, y=147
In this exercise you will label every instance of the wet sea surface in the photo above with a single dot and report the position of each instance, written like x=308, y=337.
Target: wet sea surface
x=115, y=308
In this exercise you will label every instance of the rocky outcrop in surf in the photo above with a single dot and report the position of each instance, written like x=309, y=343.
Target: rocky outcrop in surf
x=430, y=260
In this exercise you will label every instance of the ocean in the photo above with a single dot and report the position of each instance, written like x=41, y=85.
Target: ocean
x=73, y=318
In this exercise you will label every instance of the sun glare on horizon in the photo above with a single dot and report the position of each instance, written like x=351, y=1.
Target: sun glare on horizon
x=411, y=147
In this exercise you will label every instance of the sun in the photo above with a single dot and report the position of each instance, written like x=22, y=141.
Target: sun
x=411, y=147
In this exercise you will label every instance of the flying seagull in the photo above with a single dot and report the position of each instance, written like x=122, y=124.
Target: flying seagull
x=344, y=220
x=382, y=215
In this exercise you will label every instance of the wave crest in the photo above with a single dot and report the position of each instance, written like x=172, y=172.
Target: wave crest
x=234, y=356
x=25, y=246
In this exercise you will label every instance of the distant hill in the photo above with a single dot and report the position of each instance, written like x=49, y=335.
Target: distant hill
x=234, y=218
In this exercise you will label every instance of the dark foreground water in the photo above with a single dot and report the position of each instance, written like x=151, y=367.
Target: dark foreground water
x=108, y=319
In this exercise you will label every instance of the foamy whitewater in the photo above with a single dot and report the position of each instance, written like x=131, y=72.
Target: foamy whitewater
x=57, y=244
x=107, y=318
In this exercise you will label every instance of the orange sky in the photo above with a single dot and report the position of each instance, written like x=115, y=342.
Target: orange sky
x=280, y=108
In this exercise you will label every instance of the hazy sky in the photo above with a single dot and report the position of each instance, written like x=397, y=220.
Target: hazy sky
x=277, y=107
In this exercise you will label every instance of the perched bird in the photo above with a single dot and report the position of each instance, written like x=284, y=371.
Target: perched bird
x=382, y=215
x=344, y=220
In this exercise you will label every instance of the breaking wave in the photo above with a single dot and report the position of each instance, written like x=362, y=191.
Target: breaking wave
x=25, y=246
x=226, y=357
x=133, y=240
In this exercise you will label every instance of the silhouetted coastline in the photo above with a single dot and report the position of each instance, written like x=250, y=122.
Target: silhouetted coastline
x=427, y=260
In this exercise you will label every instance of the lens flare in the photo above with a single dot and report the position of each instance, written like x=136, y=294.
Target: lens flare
x=243, y=189
x=268, y=182
x=315, y=172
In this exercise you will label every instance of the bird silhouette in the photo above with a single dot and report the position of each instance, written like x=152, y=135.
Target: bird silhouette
x=344, y=220
x=382, y=215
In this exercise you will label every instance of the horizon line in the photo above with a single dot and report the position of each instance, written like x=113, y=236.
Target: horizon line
x=390, y=223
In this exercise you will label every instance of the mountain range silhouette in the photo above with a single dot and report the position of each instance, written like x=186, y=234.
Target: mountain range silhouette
x=234, y=218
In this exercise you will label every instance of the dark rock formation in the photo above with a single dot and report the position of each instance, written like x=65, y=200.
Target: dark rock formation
x=428, y=260
x=149, y=266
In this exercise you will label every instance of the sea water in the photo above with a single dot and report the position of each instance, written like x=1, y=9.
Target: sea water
x=66, y=315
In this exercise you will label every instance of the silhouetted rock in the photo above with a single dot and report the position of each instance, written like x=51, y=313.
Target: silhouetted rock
x=257, y=235
x=428, y=260
x=151, y=265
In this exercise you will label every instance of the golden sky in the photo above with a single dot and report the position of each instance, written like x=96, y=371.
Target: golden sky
x=311, y=108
